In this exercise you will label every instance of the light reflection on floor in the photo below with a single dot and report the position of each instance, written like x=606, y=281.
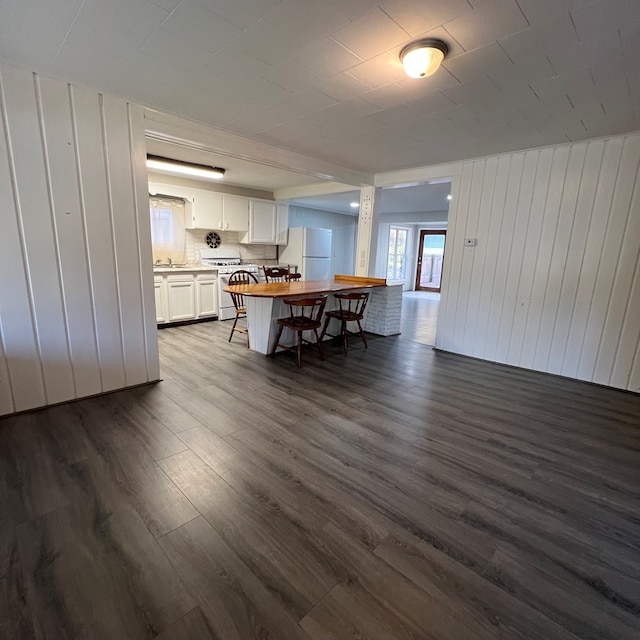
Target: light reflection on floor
x=420, y=316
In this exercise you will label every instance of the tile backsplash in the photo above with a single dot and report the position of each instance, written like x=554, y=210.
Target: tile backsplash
x=254, y=253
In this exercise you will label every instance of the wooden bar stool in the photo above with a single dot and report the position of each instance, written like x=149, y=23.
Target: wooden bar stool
x=240, y=277
x=305, y=314
x=351, y=308
x=280, y=274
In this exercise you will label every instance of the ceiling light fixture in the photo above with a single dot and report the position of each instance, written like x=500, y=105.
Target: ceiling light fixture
x=449, y=197
x=423, y=57
x=157, y=163
x=355, y=205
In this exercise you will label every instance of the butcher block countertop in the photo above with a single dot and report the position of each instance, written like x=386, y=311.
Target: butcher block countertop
x=303, y=288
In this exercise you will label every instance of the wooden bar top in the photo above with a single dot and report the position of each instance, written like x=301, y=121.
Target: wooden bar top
x=306, y=287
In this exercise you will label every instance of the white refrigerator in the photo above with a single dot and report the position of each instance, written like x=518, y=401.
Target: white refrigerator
x=310, y=250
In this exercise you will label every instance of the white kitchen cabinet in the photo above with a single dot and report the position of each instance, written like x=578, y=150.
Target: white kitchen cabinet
x=206, y=295
x=282, y=223
x=206, y=210
x=182, y=299
x=173, y=190
x=203, y=208
x=235, y=213
x=160, y=290
x=262, y=223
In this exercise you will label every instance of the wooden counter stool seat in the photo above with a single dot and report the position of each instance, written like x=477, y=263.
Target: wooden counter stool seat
x=236, y=278
x=351, y=308
x=305, y=314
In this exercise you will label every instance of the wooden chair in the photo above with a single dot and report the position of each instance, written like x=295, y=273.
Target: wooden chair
x=240, y=277
x=280, y=274
x=351, y=308
x=304, y=315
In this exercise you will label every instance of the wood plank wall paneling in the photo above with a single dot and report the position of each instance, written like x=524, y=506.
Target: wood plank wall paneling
x=75, y=255
x=554, y=281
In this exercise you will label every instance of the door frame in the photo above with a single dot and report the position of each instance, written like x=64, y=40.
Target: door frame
x=423, y=233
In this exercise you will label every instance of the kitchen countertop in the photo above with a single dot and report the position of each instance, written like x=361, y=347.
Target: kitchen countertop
x=306, y=287
x=187, y=268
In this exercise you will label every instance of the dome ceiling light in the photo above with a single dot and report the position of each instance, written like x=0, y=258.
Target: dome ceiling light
x=423, y=57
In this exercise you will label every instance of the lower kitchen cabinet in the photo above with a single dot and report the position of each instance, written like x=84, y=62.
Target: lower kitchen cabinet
x=206, y=295
x=182, y=299
x=162, y=304
x=185, y=296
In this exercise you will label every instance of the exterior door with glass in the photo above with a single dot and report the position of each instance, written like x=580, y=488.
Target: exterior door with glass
x=430, y=259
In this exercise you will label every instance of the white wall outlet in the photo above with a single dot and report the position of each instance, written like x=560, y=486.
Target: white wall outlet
x=469, y=242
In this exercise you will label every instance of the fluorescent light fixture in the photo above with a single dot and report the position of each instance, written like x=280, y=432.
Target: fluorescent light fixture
x=192, y=169
x=449, y=197
x=423, y=57
x=355, y=205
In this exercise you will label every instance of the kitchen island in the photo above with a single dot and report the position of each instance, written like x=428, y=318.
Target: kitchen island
x=264, y=304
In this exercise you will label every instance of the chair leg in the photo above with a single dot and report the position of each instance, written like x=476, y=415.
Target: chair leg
x=364, y=338
x=325, y=326
x=299, y=349
x=277, y=341
x=345, y=337
x=319, y=342
x=233, y=328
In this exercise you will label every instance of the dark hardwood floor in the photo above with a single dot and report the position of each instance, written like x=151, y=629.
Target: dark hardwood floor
x=391, y=493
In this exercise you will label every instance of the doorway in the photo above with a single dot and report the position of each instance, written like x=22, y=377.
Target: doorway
x=430, y=259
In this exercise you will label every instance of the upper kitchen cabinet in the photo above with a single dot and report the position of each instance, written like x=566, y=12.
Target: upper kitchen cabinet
x=206, y=210
x=268, y=223
x=203, y=209
x=262, y=222
x=282, y=223
x=235, y=214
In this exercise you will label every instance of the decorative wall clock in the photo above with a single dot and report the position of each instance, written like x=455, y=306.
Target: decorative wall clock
x=213, y=240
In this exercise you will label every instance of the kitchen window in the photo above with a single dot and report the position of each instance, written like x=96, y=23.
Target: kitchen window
x=167, y=230
x=397, y=256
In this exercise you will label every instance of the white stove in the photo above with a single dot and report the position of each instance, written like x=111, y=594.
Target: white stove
x=227, y=261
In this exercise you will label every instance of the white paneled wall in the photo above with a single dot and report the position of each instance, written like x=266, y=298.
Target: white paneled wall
x=553, y=283
x=76, y=297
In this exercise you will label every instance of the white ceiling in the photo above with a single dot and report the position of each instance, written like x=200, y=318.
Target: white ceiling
x=420, y=198
x=322, y=77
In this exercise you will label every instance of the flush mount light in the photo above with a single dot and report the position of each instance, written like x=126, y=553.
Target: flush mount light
x=423, y=57
x=449, y=197
x=355, y=205
x=166, y=165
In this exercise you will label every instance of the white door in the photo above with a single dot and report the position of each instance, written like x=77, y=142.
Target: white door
x=316, y=269
x=317, y=243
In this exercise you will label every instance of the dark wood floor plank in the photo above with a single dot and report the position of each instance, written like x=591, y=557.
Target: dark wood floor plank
x=574, y=605
x=395, y=492
x=545, y=553
x=164, y=409
x=341, y=614
x=192, y=626
x=316, y=489
x=275, y=549
x=91, y=573
x=236, y=603
x=477, y=601
x=371, y=511
x=387, y=593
